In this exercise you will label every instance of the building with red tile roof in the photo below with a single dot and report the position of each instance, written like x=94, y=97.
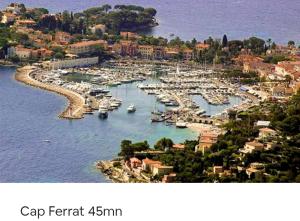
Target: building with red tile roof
x=85, y=47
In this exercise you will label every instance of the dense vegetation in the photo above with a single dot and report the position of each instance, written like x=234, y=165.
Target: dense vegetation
x=274, y=59
x=128, y=148
x=238, y=76
x=10, y=37
x=120, y=18
x=282, y=163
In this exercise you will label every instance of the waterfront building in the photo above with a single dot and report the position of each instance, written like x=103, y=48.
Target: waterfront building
x=70, y=63
x=158, y=52
x=27, y=53
x=146, y=51
x=171, y=53
x=128, y=48
x=21, y=52
x=11, y=52
x=86, y=47
x=42, y=53
x=187, y=54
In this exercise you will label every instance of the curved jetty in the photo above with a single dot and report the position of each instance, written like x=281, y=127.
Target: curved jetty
x=75, y=108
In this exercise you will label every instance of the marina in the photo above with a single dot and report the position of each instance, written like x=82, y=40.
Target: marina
x=31, y=143
x=177, y=91
x=95, y=138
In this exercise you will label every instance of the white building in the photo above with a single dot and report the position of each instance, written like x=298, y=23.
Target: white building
x=70, y=63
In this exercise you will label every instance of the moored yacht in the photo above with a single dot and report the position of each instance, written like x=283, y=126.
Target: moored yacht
x=131, y=109
x=103, y=112
x=181, y=124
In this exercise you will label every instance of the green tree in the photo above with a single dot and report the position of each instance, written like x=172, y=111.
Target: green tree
x=150, y=11
x=256, y=45
x=126, y=149
x=164, y=143
x=106, y=7
x=59, y=55
x=291, y=44
x=224, y=41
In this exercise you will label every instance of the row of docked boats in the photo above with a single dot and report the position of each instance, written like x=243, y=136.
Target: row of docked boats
x=158, y=116
x=105, y=107
x=167, y=99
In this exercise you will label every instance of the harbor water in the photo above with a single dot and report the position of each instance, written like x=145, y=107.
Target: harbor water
x=36, y=146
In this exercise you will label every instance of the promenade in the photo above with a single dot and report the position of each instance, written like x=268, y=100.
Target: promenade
x=75, y=108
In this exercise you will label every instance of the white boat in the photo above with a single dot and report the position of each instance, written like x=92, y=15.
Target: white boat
x=200, y=111
x=131, y=109
x=115, y=105
x=103, y=111
x=181, y=124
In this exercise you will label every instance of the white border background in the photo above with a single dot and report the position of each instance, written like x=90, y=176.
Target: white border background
x=145, y=202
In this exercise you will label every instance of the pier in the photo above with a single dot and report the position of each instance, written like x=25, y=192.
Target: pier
x=75, y=108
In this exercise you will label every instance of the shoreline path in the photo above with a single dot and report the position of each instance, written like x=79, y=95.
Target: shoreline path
x=75, y=108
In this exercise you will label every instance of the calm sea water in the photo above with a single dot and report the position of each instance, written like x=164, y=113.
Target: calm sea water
x=275, y=19
x=28, y=116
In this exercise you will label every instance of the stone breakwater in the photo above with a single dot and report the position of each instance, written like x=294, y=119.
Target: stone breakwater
x=75, y=108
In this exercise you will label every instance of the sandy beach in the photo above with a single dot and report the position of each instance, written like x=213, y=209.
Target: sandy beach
x=75, y=108
x=202, y=128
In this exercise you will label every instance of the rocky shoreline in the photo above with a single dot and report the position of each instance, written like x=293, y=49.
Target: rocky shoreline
x=116, y=171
